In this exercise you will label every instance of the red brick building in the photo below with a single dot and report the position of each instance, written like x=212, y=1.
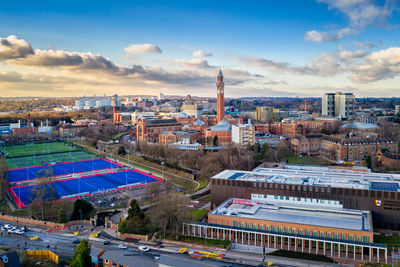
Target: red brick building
x=150, y=130
x=71, y=130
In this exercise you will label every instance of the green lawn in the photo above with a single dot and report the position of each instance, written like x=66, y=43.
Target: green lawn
x=37, y=149
x=197, y=215
x=310, y=160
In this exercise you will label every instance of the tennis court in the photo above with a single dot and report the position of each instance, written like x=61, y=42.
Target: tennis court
x=37, y=160
x=66, y=168
x=37, y=149
x=75, y=187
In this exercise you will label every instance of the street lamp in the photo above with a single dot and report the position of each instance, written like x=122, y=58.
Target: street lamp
x=162, y=169
x=80, y=211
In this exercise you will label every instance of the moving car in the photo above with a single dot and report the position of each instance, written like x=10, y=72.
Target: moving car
x=143, y=248
x=76, y=241
x=122, y=246
x=19, y=232
x=106, y=242
x=34, y=237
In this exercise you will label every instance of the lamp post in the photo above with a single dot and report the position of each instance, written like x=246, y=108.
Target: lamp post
x=162, y=169
x=80, y=211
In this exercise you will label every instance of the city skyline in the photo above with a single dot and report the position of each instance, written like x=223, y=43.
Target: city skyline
x=264, y=49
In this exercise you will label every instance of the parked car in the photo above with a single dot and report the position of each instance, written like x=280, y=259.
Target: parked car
x=122, y=246
x=19, y=232
x=143, y=248
x=106, y=242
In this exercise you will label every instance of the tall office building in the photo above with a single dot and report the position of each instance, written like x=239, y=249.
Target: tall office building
x=220, y=97
x=338, y=105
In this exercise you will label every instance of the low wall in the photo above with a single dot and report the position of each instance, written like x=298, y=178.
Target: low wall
x=28, y=221
x=134, y=236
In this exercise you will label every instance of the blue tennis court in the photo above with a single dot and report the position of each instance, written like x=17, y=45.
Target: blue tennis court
x=75, y=187
x=22, y=174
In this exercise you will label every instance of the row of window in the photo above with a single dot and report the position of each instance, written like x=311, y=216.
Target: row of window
x=302, y=232
x=302, y=188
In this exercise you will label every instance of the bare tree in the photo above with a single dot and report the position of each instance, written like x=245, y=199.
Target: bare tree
x=170, y=212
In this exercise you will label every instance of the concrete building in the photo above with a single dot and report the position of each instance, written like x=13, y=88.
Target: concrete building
x=355, y=188
x=339, y=105
x=396, y=109
x=264, y=114
x=97, y=102
x=193, y=110
x=293, y=223
x=243, y=134
x=71, y=130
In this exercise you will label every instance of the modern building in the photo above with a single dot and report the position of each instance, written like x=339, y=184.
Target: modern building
x=193, y=110
x=220, y=97
x=293, y=223
x=396, y=109
x=243, y=134
x=354, y=188
x=97, y=102
x=339, y=105
x=263, y=114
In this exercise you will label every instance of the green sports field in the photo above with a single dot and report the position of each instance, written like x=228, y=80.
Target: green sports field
x=21, y=162
x=36, y=149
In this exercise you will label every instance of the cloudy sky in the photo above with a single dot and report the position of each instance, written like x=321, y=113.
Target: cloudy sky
x=264, y=48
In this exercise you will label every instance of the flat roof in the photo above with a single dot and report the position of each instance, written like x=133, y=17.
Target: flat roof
x=356, y=178
x=307, y=214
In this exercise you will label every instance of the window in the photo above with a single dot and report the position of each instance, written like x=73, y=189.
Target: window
x=366, y=239
x=359, y=239
x=280, y=229
x=329, y=235
x=307, y=232
x=242, y=225
x=294, y=231
x=267, y=228
x=275, y=197
x=351, y=237
x=300, y=232
x=260, y=227
x=235, y=224
x=287, y=230
x=273, y=228
x=336, y=236
x=254, y=226
x=343, y=236
x=321, y=234
x=314, y=233
x=248, y=225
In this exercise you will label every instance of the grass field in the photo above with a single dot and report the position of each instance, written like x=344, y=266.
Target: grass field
x=37, y=160
x=292, y=159
x=37, y=149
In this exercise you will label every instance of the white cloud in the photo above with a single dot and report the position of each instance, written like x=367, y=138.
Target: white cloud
x=362, y=12
x=200, y=53
x=318, y=37
x=13, y=47
x=141, y=49
x=383, y=64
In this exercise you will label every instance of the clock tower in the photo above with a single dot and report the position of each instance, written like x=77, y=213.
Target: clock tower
x=220, y=97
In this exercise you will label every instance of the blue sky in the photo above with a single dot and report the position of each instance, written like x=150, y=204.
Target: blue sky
x=265, y=48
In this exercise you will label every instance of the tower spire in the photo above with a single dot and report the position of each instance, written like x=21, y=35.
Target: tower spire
x=220, y=97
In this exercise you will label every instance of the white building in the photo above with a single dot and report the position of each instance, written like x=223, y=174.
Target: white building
x=97, y=102
x=243, y=134
x=338, y=105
